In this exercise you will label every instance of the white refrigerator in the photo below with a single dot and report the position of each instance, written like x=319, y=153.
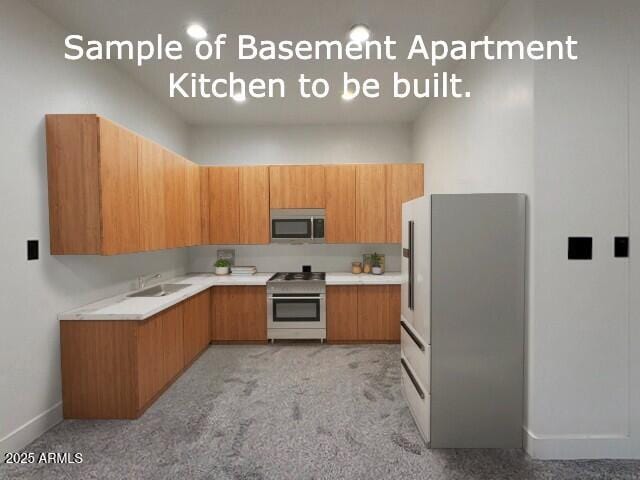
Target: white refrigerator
x=463, y=313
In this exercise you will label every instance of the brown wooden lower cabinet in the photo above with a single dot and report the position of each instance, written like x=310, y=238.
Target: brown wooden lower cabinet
x=363, y=313
x=239, y=314
x=197, y=322
x=117, y=368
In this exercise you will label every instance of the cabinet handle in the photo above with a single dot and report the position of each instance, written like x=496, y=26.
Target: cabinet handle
x=412, y=378
x=412, y=335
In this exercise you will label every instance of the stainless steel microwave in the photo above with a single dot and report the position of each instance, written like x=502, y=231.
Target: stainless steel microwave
x=289, y=225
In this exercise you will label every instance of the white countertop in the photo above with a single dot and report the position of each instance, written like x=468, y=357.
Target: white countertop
x=122, y=307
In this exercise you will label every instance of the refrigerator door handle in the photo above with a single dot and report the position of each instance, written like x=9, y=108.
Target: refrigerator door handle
x=415, y=339
x=412, y=378
x=411, y=264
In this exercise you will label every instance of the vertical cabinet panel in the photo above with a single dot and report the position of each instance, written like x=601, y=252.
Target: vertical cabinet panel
x=340, y=188
x=371, y=210
x=172, y=342
x=373, y=312
x=254, y=205
x=194, y=228
x=297, y=186
x=119, y=189
x=204, y=204
x=151, y=377
x=73, y=175
x=152, y=195
x=239, y=314
x=393, y=319
x=196, y=320
x=404, y=182
x=175, y=199
x=224, y=205
x=342, y=313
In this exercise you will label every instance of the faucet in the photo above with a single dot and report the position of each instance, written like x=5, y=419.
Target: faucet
x=143, y=279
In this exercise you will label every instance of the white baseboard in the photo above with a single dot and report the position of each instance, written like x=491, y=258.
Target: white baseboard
x=572, y=447
x=27, y=433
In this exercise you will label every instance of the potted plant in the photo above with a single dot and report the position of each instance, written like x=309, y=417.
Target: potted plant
x=222, y=266
x=376, y=264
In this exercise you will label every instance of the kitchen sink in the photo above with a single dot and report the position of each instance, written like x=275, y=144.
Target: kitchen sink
x=160, y=290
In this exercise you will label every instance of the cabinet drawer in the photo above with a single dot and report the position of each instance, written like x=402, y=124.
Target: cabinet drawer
x=420, y=407
x=419, y=360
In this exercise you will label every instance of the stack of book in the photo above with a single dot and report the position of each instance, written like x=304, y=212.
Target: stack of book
x=243, y=270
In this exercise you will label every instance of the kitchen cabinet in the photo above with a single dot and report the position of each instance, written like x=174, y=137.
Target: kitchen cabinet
x=404, y=182
x=340, y=206
x=342, y=313
x=152, y=196
x=204, y=204
x=193, y=188
x=371, y=205
x=363, y=313
x=117, y=368
x=224, y=205
x=92, y=171
x=175, y=191
x=254, y=205
x=239, y=314
x=197, y=322
x=297, y=186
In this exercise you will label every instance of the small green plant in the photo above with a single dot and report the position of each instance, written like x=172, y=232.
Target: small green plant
x=376, y=260
x=221, y=262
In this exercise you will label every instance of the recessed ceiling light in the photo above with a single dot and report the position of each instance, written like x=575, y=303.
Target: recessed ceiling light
x=196, y=31
x=348, y=95
x=359, y=33
x=239, y=97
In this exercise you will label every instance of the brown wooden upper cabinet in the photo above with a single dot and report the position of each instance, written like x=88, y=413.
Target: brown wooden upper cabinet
x=92, y=167
x=152, y=195
x=371, y=204
x=404, y=182
x=340, y=209
x=297, y=186
x=238, y=205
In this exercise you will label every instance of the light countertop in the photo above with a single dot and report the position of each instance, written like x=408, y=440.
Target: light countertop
x=121, y=307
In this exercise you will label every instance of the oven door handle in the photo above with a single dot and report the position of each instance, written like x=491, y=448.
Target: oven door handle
x=270, y=297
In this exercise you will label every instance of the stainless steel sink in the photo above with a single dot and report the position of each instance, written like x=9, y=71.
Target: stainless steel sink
x=160, y=290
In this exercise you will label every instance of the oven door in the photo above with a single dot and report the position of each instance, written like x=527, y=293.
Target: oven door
x=287, y=310
x=287, y=229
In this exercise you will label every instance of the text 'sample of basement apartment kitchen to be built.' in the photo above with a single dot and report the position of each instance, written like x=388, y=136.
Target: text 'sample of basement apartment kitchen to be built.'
x=337, y=240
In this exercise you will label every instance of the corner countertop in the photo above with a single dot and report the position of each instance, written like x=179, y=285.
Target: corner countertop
x=122, y=307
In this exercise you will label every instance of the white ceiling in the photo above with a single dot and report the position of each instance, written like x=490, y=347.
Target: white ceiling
x=278, y=20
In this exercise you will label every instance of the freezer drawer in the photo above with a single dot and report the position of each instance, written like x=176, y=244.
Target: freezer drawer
x=417, y=353
x=418, y=399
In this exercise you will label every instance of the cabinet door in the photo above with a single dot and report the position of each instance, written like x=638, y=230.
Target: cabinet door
x=151, y=186
x=240, y=314
x=175, y=199
x=151, y=376
x=393, y=319
x=120, y=214
x=204, y=204
x=296, y=186
x=340, y=213
x=342, y=313
x=404, y=182
x=371, y=211
x=373, y=312
x=194, y=228
x=196, y=318
x=254, y=205
x=224, y=205
x=172, y=342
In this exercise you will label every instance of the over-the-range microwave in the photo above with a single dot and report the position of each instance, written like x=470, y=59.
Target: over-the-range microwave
x=290, y=225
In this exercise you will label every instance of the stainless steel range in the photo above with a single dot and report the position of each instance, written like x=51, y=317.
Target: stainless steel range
x=296, y=306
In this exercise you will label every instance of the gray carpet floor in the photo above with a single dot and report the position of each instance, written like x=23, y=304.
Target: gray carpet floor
x=285, y=412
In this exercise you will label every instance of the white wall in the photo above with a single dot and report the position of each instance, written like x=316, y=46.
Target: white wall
x=309, y=144
x=35, y=80
x=582, y=374
x=290, y=258
x=560, y=132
